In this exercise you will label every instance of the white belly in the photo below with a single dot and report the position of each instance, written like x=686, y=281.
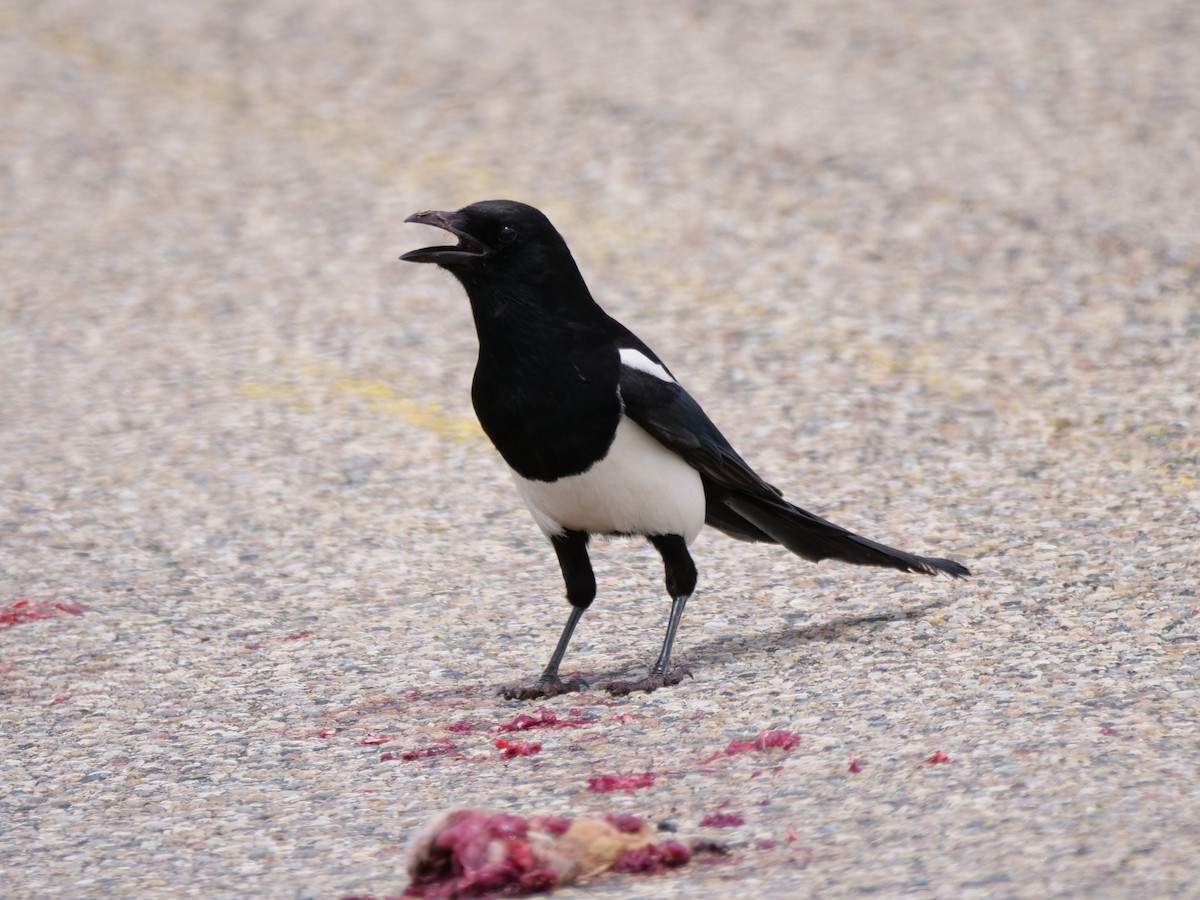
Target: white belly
x=640, y=487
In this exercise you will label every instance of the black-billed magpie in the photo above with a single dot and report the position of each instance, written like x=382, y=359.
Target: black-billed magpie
x=599, y=435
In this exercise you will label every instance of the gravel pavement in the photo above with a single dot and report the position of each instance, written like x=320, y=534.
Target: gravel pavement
x=932, y=267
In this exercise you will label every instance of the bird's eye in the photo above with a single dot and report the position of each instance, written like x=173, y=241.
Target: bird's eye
x=507, y=234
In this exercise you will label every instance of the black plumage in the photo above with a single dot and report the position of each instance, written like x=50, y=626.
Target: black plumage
x=599, y=435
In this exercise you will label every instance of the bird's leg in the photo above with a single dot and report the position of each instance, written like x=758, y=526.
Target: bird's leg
x=571, y=548
x=664, y=657
x=681, y=582
x=550, y=673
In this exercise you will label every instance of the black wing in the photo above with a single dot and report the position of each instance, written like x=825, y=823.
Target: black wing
x=670, y=415
x=738, y=501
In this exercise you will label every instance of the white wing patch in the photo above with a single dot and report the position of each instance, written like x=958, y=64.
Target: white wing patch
x=636, y=359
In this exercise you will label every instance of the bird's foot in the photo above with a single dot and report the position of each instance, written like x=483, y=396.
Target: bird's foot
x=546, y=686
x=651, y=682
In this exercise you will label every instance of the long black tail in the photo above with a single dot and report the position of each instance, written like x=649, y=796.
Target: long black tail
x=776, y=521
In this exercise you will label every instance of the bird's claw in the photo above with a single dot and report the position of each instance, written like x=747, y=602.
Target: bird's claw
x=651, y=682
x=546, y=686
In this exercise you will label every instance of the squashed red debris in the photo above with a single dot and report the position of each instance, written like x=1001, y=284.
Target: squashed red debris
x=722, y=820
x=479, y=854
x=544, y=719
x=653, y=858
x=483, y=853
x=855, y=765
x=297, y=636
x=791, y=834
x=606, y=784
x=459, y=727
x=765, y=845
x=780, y=740
x=1108, y=729
x=552, y=825
x=439, y=749
x=511, y=749
x=374, y=740
x=624, y=822
x=25, y=610
x=938, y=756
x=328, y=732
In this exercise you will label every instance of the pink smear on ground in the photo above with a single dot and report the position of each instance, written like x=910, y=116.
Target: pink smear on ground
x=780, y=740
x=482, y=855
x=653, y=858
x=722, y=820
x=544, y=719
x=606, y=784
x=511, y=749
x=855, y=766
x=461, y=726
x=21, y=611
x=373, y=740
x=938, y=756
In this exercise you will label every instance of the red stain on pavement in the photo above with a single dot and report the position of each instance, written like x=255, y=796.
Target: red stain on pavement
x=606, y=784
x=25, y=610
x=513, y=749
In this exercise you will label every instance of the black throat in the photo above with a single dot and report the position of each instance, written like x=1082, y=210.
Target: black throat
x=545, y=386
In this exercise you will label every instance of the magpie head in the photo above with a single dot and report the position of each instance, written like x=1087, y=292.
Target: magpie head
x=497, y=240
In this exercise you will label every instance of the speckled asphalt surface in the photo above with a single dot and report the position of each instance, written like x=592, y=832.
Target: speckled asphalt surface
x=932, y=267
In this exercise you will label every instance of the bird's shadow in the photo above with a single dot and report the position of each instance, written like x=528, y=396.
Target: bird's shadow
x=720, y=649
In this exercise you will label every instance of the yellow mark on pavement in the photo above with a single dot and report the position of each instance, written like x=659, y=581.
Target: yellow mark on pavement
x=383, y=397
x=379, y=396
x=290, y=394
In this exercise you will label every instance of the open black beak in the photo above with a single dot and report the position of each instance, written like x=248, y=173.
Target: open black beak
x=467, y=248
